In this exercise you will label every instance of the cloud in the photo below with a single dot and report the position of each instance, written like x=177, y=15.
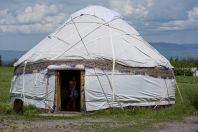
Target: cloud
x=189, y=23
x=193, y=14
x=6, y=17
x=134, y=8
x=37, y=18
x=37, y=13
x=124, y=7
x=32, y=19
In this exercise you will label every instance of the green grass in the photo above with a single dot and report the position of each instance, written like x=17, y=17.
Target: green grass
x=5, y=78
x=138, y=118
x=189, y=90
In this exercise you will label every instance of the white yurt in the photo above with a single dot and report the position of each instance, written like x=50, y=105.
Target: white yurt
x=100, y=56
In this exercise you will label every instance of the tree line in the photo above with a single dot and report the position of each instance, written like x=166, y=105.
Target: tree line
x=9, y=63
x=184, y=66
x=0, y=61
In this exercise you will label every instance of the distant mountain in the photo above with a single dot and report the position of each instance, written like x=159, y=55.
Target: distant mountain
x=177, y=50
x=8, y=56
x=166, y=49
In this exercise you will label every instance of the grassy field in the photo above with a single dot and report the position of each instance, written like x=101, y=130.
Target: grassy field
x=139, y=118
x=5, y=78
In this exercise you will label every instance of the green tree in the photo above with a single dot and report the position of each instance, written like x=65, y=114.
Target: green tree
x=184, y=66
x=171, y=59
x=12, y=63
x=196, y=63
x=0, y=61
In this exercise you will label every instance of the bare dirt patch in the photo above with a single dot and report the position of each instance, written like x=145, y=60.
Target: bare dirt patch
x=188, y=124
x=85, y=124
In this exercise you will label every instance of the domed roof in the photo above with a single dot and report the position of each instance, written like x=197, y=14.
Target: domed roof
x=98, y=11
x=96, y=33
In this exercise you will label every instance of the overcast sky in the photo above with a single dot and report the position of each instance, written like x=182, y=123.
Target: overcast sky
x=23, y=23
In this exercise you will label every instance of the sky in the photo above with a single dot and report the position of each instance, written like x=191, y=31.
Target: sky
x=23, y=23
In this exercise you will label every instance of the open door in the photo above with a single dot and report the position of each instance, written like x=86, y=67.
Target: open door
x=69, y=90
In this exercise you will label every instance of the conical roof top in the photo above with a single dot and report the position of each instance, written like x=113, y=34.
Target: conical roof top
x=98, y=11
x=96, y=32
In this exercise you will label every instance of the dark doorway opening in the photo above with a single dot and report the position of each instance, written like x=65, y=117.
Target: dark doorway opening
x=18, y=106
x=70, y=90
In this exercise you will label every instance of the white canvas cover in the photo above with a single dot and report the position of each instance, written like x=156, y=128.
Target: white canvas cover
x=96, y=33
x=130, y=90
x=35, y=88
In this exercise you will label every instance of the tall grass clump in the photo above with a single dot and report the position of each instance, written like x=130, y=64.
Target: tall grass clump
x=30, y=110
x=6, y=108
x=193, y=97
x=189, y=87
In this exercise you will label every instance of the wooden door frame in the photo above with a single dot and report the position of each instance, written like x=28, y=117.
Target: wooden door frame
x=82, y=91
x=57, y=93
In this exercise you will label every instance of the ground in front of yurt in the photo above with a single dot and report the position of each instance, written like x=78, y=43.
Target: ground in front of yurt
x=90, y=124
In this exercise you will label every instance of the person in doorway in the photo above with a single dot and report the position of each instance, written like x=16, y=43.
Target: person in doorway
x=73, y=94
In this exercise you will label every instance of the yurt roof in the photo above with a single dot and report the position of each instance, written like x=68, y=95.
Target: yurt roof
x=98, y=11
x=96, y=32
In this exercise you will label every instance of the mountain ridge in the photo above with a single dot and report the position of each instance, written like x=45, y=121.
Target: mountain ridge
x=8, y=56
x=177, y=50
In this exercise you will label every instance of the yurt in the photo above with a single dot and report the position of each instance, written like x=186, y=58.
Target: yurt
x=94, y=61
